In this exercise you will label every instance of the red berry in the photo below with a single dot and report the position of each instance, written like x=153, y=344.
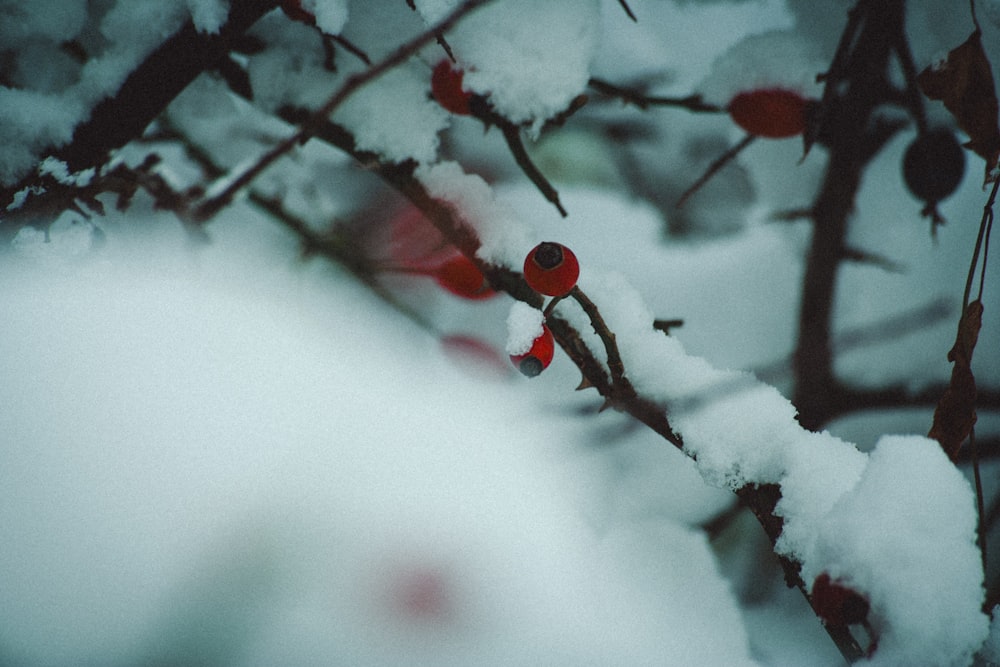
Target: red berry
x=293, y=10
x=776, y=113
x=413, y=242
x=933, y=165
x=446, y=86
x=538, y=357
x=837, y=604
x=460, y=276
x=551, y=268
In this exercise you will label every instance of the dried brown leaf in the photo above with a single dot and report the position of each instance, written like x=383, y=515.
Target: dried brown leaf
x=964, y=82
x=955, y=414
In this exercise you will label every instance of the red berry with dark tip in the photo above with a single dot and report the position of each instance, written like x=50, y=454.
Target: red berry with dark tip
x=933, y=165
x=776, y=113
x=551, y=268
x=446, y=86
x=460, y=276
x=538, y=357
x=837, y=604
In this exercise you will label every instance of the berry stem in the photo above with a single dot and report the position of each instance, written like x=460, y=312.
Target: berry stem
x=615, y=364
x=512, y=135
x=693, y=102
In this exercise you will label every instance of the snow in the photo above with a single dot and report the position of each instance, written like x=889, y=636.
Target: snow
x=905, y=535
x=60, y=171
x=504, y=241
x=227, y=441
x=524, y=325
x=530, y=58
x=223, y=439
x=331, y=15
x=394, y=117
x=52, y=20
x=32, y=121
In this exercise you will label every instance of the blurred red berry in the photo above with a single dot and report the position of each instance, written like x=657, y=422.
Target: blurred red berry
x=460, y=276
x=446, y=86
x=475, y=355
x=551, y=268
x=775, y=113
x=421, y=594
x=837, y=604
x=538, y=357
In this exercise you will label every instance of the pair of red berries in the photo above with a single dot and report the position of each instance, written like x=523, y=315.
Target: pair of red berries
x=551, y=269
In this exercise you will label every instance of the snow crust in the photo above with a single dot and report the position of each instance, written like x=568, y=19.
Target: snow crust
x=530, y=58
x=524, y=325
x=394, y=117
x=208, y=15
x=504, y=240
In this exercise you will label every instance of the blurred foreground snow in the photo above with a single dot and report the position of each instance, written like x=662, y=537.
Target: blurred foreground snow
x=211, y=460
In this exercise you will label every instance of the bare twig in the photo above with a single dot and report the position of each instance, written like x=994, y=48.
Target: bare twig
x=690, y=102
x=714, y=168
x=512, y=135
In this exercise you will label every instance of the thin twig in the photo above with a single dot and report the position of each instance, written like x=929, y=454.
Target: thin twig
x=690, y=102
x=713, y=168
x=615, y=364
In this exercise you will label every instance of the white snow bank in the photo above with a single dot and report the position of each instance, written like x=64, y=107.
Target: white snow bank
x=216, y=457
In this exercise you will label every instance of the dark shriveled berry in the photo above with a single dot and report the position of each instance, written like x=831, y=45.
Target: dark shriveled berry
x=836, y=603
x=933, y=165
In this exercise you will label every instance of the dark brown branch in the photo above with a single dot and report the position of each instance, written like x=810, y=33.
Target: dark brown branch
x=158, y=80
x=855, y=86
